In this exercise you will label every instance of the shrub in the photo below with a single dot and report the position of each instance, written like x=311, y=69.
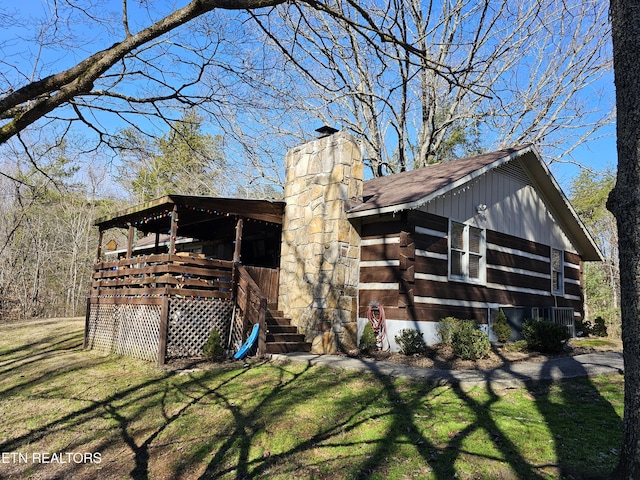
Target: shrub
x=501, y=328
x=544, y=336
x=446, y=328
x=368, y=339
x=584, y=328
x=599, y=329
x=212, y=350
x=410, y=341
x=470, y=343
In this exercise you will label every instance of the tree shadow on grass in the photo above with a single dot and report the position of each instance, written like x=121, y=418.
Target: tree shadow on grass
x=125, y=407
x=584, y=425
x=400, y=413
x=589, y=428
x=220, y=423
x=442, y=458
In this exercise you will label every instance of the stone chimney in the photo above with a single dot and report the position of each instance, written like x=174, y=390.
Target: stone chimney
x=319, y=266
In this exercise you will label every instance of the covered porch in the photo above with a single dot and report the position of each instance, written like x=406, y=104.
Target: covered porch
x=190, y=264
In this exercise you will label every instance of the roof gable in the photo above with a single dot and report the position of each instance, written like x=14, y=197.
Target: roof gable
x=411, y=190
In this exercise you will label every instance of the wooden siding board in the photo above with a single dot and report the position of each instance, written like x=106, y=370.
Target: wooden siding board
x=477, y=293
x=387, y=251
x=390, y=312
x=428, y=220
x=517, y=261
x=381, y=229
x=517, y=280
x=430, y=243
x=432, y=266
x=572, y=289
x=517, y=243
x=571, y=273
x=566, y=302
x=435, y=313
x=380, y=274
x=572, y=258
x=386, y=298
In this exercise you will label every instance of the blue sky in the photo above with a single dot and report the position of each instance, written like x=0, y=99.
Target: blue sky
x=599, y=155
x=596, y=154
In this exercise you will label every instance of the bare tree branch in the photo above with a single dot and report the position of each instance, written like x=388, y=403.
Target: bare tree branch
x=31, y=102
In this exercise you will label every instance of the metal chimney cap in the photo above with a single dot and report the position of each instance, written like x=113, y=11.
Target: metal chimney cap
x=326, y=130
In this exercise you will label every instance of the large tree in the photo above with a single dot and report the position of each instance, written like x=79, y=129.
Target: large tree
x=81, y=67
x=186, y=160
x=508, y=72
x=624, y=203
x=138, y=68
x=419, y=81
x=103, y=72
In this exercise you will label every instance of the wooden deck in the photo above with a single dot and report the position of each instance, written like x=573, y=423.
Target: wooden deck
x=156, y=276
x=153, y=290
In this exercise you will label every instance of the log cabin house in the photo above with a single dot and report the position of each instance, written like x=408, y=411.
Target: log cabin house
x=464, y=239
x=468, y=238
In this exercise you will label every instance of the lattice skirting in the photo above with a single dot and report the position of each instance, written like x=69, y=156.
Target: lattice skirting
x=131, y=330
x=134, y=330
x=191, y=322
x=237, y=333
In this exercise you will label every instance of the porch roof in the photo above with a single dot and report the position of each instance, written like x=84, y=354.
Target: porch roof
x=194, y=213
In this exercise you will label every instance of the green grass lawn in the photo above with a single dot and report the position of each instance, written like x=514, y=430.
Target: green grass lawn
x=69, y=413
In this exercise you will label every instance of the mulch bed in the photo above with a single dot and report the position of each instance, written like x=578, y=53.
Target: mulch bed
x=442, y=357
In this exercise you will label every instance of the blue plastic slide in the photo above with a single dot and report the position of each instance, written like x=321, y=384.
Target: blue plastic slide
x=253, y=338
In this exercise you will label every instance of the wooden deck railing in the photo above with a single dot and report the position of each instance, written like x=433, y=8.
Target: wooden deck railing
x=267, y=280
x=252, y=305
x=161, y=275
x=153, y=278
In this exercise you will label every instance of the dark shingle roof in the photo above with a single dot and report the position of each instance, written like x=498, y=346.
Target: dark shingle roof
x=410, y=189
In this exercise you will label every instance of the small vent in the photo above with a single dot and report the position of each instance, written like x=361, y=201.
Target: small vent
x=514, y=171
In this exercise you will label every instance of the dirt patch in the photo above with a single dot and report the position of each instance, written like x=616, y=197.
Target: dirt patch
x=441, y=356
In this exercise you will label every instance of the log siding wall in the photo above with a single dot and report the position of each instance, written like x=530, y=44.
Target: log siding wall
x=404, y=267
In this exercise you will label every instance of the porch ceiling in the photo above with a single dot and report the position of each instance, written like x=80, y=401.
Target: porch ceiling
x=196, y=215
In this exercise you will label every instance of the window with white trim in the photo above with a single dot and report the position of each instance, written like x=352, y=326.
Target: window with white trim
x=557, y=272
x=466, y=253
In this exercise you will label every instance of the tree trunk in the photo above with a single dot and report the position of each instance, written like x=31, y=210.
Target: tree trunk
x=624, y=203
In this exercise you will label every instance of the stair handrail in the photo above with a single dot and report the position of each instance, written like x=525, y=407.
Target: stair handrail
x=252, y=305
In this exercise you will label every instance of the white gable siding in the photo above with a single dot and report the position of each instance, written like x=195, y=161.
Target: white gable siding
x=513, y=205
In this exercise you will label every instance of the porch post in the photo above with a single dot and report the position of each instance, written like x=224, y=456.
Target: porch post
x=164, y=327
x=99, y=254
x=132, y=232
x=238, y=243
x=174, y=230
